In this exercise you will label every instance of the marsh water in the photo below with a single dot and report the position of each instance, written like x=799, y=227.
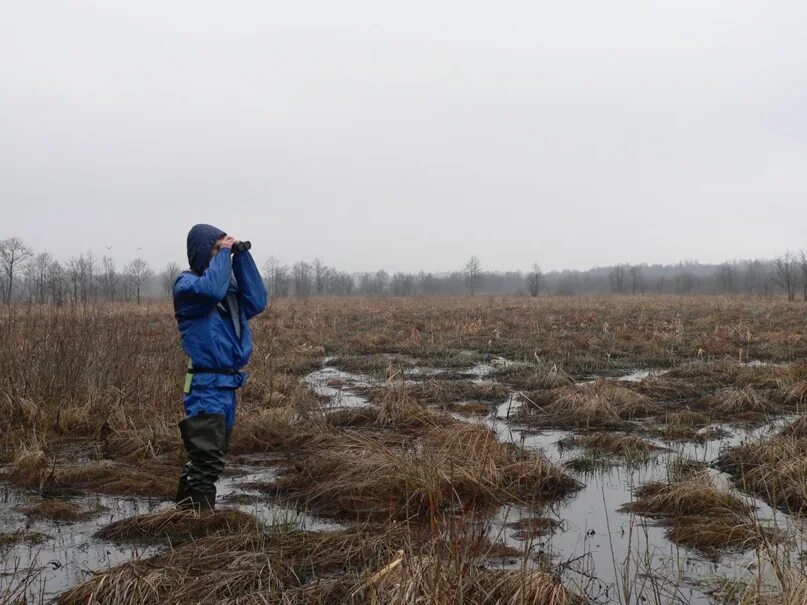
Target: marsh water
x=602, y=551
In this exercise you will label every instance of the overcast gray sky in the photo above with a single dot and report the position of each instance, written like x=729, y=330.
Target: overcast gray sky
x=407, y=135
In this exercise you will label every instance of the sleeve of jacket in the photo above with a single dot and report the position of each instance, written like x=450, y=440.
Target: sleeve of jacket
x=194, y=295
x=250, y=284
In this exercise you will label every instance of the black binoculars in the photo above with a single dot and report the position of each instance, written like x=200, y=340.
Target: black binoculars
x=242, y=246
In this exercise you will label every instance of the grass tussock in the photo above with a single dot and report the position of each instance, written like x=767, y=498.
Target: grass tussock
x=529, y=528
x=33, y=468
x=774, y=469
x=447, y=391
x=791, y=589
x=793, y=394
x=178, y=525
x=282, y=565
x=9, y=539
x=601, y=403
x=616, y=444
x=57, y=510
x=421, y=579
x=271, y=429
x=469, y=408
x=699, y=514
x=666, y=389
x=796, y=429
x=533, y=377
x=396, y=409
x=737, y=401
x=712, y=533
x=456, y=468
x=694, y=494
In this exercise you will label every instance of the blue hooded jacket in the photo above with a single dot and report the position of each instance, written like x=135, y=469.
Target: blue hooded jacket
x=207, y=329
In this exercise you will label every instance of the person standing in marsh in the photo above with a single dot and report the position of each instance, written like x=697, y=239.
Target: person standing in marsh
x=212, y=305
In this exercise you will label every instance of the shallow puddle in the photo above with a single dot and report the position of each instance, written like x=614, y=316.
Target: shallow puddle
x=70, y=553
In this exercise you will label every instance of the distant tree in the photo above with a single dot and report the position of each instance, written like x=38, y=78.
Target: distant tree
x=276, y=276
x=636, y=279
x=685, y=282
x=473, y=275
x=402, y=284
x=320, y=271
x=617, y=279
x=382, y=282
x=109, y=279
x=13, y=254
x=803, y=266
x=726, y=278
x=168, y=277
x=428, y=283
x=785, y=274
x=301, y=273
x=756, y=277
x=56, y=282
x=139, y=273
x=569, y=283
x=535, y=280
x=40, y=264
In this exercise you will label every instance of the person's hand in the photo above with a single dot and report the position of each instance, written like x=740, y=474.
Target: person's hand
x=228, y=242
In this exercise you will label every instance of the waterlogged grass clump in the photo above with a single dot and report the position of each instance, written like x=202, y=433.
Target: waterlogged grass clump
x=699, y=514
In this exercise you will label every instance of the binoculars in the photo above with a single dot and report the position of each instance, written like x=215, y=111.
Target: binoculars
x=242, y=246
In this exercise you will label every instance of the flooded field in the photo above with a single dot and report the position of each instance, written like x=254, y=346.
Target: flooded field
x=476, y=452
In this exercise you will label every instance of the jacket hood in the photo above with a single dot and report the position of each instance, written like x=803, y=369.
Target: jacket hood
x=200, y=242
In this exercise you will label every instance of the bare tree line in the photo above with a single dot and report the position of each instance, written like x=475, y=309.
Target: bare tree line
x=41, y=278
x=38, y=277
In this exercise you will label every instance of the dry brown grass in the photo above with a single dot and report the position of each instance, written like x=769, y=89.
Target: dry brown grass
x=712, y=533
x=446, y=391
x=700, y=515
x=178, y=525
x=737, y=401
x=422, y=579
x=794, y=393
x=396, y=409
x=57, y=510
x=282, y=565
x=791, y=590
x=461, y=467
x=666, y=389
x=8, y=539
x=774, y=469
x=533, y=527
x=603, y=403
x=533, y=377
x=111, y=377
x=470, y=408
x=33, y=468
x=695, y=495
x=611, y=443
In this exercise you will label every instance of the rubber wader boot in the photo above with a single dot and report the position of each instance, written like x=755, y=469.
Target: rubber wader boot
x=204, y=439
x=228, y=433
